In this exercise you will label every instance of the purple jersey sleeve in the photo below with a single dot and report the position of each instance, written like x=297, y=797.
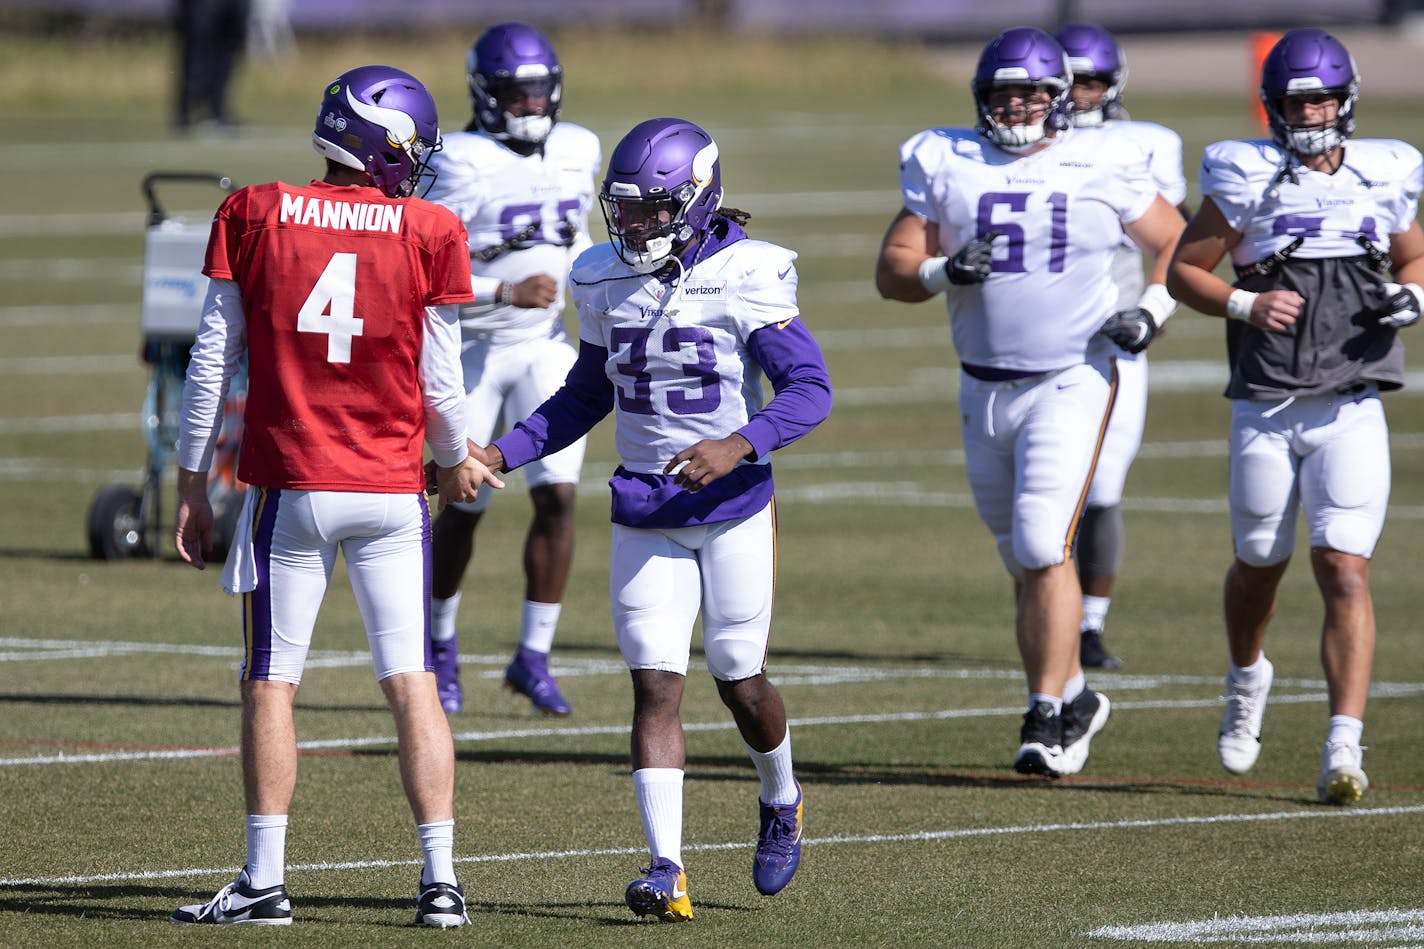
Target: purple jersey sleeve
x=583, y=401
x=792, y=361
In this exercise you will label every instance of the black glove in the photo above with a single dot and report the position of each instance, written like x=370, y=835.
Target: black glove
x=1400, y=307
x=1131, y=329
x=974, y=262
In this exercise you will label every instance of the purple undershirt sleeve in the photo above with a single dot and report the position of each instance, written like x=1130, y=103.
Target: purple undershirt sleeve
x=792, y=361
x=583, y=401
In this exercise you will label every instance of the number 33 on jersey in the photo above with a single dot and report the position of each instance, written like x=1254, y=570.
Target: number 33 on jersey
x=677, y=352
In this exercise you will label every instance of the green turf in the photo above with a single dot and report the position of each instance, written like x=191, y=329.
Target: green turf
x=893, y=635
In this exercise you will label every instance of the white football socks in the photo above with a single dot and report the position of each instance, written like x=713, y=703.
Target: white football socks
x=437, y=842
x=536, y=625
x=442, y=617
x=778, y=784
x=266, y=849
x=1095, y=613
x=659, y=793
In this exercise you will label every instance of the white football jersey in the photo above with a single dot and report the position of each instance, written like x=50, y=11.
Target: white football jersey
x=1374, y=194
x=677, y=354
x=1059, y=213
x=1163, y=148
x=499, y=194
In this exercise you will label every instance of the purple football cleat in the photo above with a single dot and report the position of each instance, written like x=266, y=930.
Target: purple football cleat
x=528, y=674
x=446, y=655
x=778, y=850
x=661, y=892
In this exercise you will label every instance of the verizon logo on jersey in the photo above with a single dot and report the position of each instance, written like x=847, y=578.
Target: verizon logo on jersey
x=341, y=215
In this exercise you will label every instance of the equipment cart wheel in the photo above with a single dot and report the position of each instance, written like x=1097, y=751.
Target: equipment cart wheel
x=116, y=524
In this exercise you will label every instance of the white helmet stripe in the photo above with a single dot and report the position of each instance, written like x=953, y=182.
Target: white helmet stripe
x=400, y=127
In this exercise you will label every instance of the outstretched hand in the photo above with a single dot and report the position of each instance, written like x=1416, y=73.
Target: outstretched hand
x=696, y=467
x=462, y=482
x=536, y=292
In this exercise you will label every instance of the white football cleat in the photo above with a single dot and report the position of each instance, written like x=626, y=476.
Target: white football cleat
x=1239, y=743
x=1342, y=779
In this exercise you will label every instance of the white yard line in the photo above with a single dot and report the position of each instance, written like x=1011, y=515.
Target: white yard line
x=19, y=649
x=837, y=840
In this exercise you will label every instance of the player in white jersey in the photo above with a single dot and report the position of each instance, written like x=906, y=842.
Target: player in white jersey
x=681, y=317
x=1099, y=75
x=1017, y=223
x=522, y=181
x=1329, y=259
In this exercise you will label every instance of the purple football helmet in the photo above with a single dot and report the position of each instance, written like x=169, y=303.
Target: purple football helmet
x=664, y=184
x=1307, y=62
x=382, y=121
x=1093, y=53
x=1023, y=56
x=508, y=62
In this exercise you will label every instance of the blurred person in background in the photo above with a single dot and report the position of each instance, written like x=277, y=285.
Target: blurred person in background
x=344, y=296
x=522, y=181
x=1329, y=259
x=211, y=37
x=1099, y=77
x=1017, y=221
x=269, y=29
x=681, y=314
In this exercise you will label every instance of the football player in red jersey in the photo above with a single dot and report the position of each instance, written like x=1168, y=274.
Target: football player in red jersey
x=344, y=294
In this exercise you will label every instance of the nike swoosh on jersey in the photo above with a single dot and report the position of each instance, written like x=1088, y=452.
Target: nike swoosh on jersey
x=782, y=275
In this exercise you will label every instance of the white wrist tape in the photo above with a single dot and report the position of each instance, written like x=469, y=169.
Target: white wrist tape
x=1238, y=305
x=486, y=290
x=1158, y=303
x=934, y=274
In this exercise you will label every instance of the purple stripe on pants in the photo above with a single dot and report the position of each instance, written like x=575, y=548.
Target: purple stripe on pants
x=257, y=605
x=427, y=557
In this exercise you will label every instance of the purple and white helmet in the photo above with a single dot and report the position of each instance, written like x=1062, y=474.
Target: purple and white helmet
x=1093, y=53
x=382, y=121
x=508, y=61
x=1306, y=62
x=663, y=185
x=1023, y=56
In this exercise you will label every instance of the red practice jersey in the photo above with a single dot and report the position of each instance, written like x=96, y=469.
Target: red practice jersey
x=334, y=283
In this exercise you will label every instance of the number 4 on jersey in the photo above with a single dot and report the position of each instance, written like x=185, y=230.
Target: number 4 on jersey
x=331, y=306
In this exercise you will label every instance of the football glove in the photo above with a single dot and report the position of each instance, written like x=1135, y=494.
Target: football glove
x=974, y=262
x=1131, y=329
x=1401, y=306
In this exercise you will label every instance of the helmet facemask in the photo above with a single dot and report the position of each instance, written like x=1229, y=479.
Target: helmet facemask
x=1108, y=106
x=503, y=96
x=1094, y=55
x=1044, y=116
x=646, y=231
x=1317, y=138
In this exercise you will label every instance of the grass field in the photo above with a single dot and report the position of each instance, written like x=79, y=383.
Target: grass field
x=893, y=645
